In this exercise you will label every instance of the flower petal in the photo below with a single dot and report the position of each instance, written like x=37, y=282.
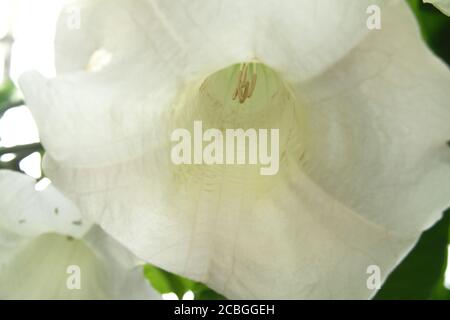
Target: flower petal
x=42, y=269
x=379, y=121
x=222, y=234
x=29, y=213
x=41, y=237
x=154, y=47
x=377, y=126
x=183, y=33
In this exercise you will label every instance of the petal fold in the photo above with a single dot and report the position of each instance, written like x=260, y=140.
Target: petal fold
x=443, y=5
x=46, y=254
x=28, y=212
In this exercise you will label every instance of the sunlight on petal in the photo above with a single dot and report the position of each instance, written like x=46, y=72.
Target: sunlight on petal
x=34, y=30
x=42, y=184
x=31, y=165
x=170, y=296
x=99, y=60
x=7, y=157
x=6, y=12
x=189, y=295
x=18, y=127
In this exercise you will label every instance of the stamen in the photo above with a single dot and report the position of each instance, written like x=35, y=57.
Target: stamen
x=245, y=88
x=243, y=94
x=253, y=84
x=244, y=71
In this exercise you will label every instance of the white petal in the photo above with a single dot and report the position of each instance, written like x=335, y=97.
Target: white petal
x=27, y=212
x=155, y=47
x=379, y=121
x=40, y=235
x=124, y=272
x=33, y=29
x=184, y=34
x=443, y=5
x=42, y=269
x=291, y=241
x=300, y=234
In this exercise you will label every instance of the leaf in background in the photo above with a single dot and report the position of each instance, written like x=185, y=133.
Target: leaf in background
x=202, y=292
x=421, y=274
x=166, y=282
x=7, y=92
x=435, y=27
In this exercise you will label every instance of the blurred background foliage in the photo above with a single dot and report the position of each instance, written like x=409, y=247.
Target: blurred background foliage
x=435, y=28
x=419, y=276
x=7, y=90
x=166, y=282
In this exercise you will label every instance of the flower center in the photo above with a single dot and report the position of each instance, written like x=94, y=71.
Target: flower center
x=245, y=88
x=249, y=97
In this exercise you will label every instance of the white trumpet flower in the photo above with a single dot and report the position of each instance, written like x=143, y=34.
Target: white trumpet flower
x=47, y=251
x=363, y=118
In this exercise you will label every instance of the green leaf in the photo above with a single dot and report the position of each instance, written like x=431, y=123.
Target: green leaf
x=421, y=274
x=202, y=292
x=435, y=27
x=165, y=282
x=7, y=90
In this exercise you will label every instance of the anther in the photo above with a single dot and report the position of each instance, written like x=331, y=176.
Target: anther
x=245, y=88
